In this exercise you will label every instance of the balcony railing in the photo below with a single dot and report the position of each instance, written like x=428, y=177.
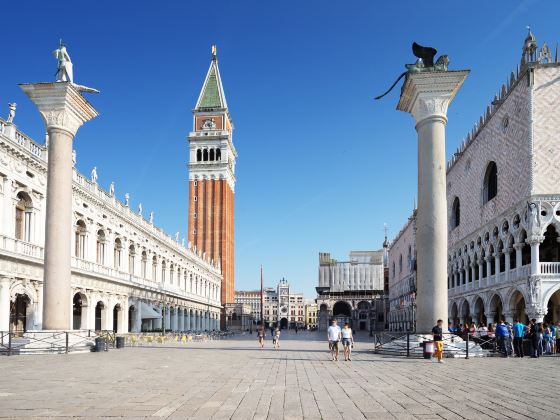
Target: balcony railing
x=17, y=246
x=550, y=268
x=514, y=275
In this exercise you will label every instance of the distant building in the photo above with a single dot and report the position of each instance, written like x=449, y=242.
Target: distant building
x=311, y=314
x=251, y=298
x=284, y=308
x=238, y=317
x=352, y=291
x=402, y=278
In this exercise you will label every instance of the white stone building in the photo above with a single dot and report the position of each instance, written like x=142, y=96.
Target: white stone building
x=352, y=291
x=282, y=307
x=124, y=268
x=402, y=278
x=503, y=197
x=253, y=299
x=504, y=201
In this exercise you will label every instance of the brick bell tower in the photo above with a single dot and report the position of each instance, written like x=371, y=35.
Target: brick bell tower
x=212, y=178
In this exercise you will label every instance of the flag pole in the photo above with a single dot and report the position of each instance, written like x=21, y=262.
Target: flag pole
x=262, y=300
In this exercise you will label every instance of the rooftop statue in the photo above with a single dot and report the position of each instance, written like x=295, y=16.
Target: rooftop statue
x=424, y=63
x=64, y=72
x=12, y=112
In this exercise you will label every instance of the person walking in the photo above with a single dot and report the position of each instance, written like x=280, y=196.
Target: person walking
x=347, y=341
x=502, y=335
x=518, y=333
x=334, y=335
x=437, y=332
x=547, y=339
x=276, y=338
x=260, y=336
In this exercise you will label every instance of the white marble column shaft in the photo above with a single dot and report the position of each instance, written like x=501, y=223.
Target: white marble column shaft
x=64, y=110
x=426, y=96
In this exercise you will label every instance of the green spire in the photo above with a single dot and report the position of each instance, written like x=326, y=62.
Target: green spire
x=211, y=94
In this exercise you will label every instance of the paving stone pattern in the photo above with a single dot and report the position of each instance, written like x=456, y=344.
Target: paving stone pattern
x=233, y=379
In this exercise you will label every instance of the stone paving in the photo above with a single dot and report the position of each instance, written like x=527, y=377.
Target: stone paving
x=234, y=379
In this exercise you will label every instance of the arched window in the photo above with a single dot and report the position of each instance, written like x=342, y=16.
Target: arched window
x=154, y=268
x=171, y=273
x=198, y=155
x=24, y=213
x=163, y=268
x=205, y=155
x=118, y=253
x=80, y=239
x=101, y=247
x=400, y=263
x=143, y=264
x=490, y=188
x=218, y=154
x=211, y=154
x=456, y=213
x=131, y=259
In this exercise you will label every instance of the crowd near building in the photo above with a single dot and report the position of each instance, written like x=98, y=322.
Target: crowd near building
x=352, y=291
x=126, y=273
x=503, y=196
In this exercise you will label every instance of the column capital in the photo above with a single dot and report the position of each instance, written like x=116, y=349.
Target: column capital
x=60, y=104
x=428, y=94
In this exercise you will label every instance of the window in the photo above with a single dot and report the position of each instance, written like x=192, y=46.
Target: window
x=100, y=247
x=143, y=264
x=456, y=213
x=117, y=253
x=23, y=217
x=80, y=239
x=490, y=188
x=154, y=268
x=198, y=155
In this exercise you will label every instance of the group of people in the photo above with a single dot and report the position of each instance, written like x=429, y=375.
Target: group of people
x=335, y=335
x=274, y=332
x=543, y=338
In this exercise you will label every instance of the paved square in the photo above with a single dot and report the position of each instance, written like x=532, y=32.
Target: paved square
x=234, y=379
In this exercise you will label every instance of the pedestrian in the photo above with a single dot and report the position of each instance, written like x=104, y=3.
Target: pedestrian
x=347, y=341
x=558, y=337
x=296, y=329
x=334, y=335
x=260, y=336
x=276, y=338
x=482, y=331
x=547, y=339
x=553, y=337
x=535, y=337
x=502, y=336
x=518, y=333
x=437, y=332
x=272, y=330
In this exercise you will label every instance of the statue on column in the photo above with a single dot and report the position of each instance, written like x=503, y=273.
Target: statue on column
x=424, y=63
x=12, y=112
x=533, y=219
x=534, y=289
x=64, y=72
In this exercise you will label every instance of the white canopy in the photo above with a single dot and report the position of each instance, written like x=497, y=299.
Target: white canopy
x=148, y=312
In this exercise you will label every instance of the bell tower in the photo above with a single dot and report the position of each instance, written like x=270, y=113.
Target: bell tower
x=212, y=158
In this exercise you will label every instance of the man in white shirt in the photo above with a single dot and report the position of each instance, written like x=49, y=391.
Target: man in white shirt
x=334, y=336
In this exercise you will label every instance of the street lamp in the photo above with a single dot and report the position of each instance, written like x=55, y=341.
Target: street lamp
x=413, y=297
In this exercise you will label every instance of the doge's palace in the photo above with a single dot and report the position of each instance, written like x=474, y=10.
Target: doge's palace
x=503, y=193
x=125, y=271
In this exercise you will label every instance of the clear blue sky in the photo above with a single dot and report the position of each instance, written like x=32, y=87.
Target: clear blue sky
x=321, y=165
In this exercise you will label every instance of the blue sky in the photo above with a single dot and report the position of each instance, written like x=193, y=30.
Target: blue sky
x=321, y=165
